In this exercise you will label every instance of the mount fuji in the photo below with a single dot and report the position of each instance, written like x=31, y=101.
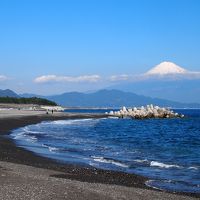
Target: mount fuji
x=166, y=68
x=166, y=80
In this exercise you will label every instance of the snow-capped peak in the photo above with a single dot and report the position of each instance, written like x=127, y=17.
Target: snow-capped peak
x=166, y=68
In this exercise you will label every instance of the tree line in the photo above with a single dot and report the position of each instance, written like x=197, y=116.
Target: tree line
x=32, y=100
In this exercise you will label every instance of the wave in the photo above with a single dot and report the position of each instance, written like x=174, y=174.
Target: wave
x=193, y=168
x=109, y=161
x=24, y=136
x=165, y=185
x=163, y=165
x=51, y=149
x=32, y=139
x=62, y=149
x=67, y=122
x=149, y=183
x=27, y=130
x=141, y=161
x=113, y=117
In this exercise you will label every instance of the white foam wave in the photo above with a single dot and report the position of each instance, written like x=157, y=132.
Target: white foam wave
x=109, y=161
x=27, y=130
x=31, y=139
x=113, y=117
x=44, y=145
x=18, y=137
x=24, y=136
x=53, y=149
x=140, y=161
x=163, y=165
x=193, y=168
x=92, y=164
x=149, y=182
x=68, y=122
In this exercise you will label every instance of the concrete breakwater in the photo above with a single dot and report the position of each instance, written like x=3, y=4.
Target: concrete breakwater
x=149, y=111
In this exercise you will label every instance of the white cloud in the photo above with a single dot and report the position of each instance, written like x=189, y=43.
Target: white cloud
x=193, y=75
x=77, y=79
x=167, y=74
x=185, y=76
x=142, y=77
x=121, y=77
x=3, y=78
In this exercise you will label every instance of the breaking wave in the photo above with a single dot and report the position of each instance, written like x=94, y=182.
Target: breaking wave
x=163, y=165
x=109, y=161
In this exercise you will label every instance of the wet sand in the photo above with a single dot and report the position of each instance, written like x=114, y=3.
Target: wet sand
x=25, y=175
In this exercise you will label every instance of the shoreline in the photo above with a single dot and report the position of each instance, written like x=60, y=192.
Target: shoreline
x=9, y=152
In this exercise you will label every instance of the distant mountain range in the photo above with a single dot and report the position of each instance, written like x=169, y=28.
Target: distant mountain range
x=186, y=91
x=8, y=93
x=110, y=98
x=113, y=98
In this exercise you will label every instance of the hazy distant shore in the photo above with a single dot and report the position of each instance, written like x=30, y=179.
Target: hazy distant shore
x=21, y=168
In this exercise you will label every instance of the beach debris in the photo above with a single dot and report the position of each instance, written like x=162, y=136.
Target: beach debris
x=145, y=112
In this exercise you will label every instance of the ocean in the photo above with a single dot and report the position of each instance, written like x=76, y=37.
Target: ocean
x=167, y=151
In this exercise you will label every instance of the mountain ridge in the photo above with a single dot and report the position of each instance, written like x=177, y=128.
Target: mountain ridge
x=110, y=98
x=8, y=93
x=185, y=91
x=113, y=98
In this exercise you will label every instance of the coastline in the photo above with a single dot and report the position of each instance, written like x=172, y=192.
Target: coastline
x=10, y=153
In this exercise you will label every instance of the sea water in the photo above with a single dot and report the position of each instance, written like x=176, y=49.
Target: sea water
x=167, y=151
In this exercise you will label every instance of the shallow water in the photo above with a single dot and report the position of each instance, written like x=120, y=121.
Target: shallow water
x=165, y=150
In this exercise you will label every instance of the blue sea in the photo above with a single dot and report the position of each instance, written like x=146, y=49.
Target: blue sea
x=167, y=151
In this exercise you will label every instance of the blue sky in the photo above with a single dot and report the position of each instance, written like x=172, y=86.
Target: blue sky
x=75, y=39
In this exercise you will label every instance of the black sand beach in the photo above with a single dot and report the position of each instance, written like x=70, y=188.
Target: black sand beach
x=125, y=186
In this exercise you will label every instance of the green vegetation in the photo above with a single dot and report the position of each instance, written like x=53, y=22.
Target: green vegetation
x=32, y=100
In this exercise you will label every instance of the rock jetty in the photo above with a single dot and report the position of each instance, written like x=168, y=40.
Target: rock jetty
x=150, y=111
